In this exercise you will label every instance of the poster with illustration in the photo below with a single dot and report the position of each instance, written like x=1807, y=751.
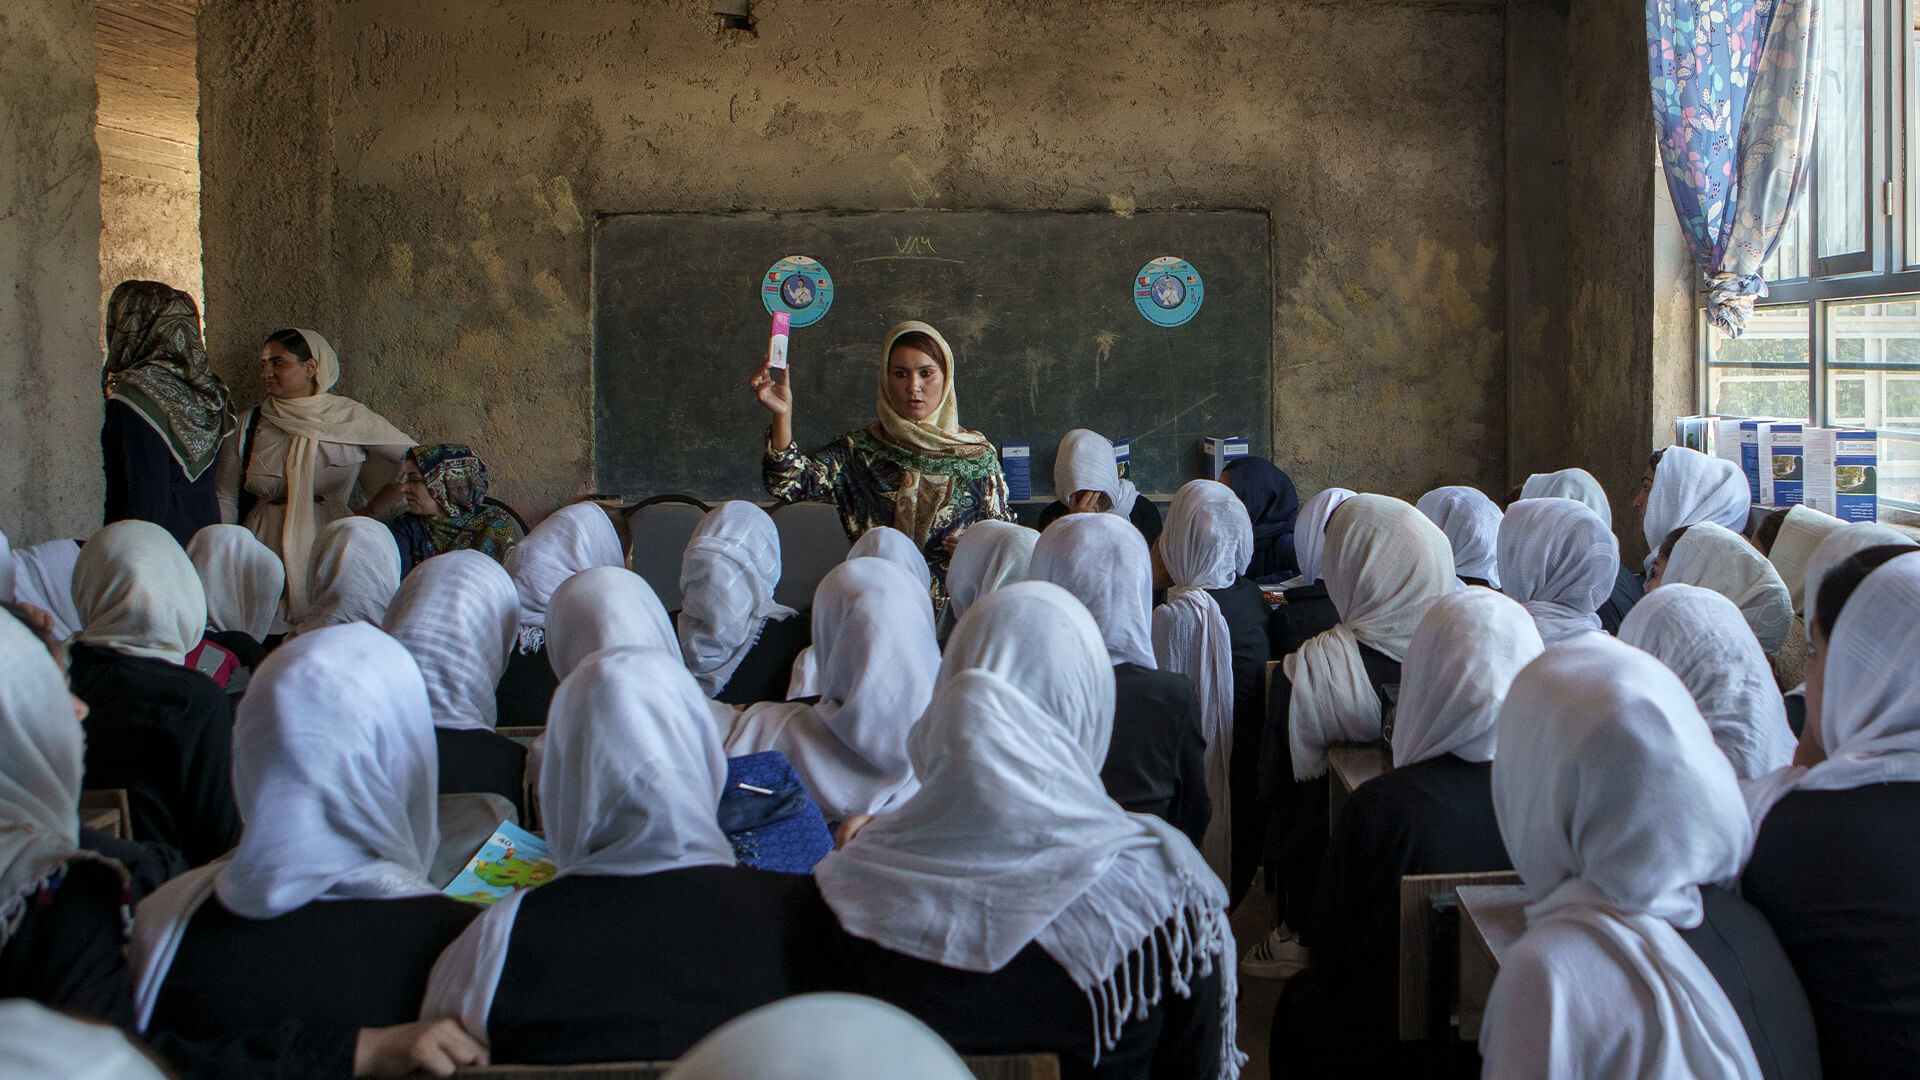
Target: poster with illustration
x=1785, y=463
x=512, y=859
x=1843, y=473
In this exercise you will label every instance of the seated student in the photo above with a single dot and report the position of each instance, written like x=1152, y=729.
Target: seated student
x=606, y=607
x=1701, y=637
x=316, y=937
x=649, y=937
x=1719, y=559
x=1836, y=547
x=1213, y=629
x=1558, y=559
x=1832, y=865
x=878, y=542
x=445, y=487
x=356, y=571
x=1274, y=507
x=1432, y=814
x=43, y=579
x=1087, y=481
x=1683, y=487
x=1618, y=811
x=736, y=640
x=1472, y=524
x=1580, y=486
x=1009, y=903
x=155, y=728
x=573, y=538
x=1307, y=610
x=988, y=555
x=1156, y=761
x=877, y=659
x=457, y=615
x=1801, y=531
x=1386, y=565
x=822, y=1035
x=244, y=582
x=38, y=1043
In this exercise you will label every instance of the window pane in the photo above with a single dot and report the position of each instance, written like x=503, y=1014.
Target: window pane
x=1913, y=137
x=1873, y=362
x=1765, y=371
x=1789, y=260
x=1840, y=151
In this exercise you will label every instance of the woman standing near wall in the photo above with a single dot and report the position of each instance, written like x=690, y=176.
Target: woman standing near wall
x=298, y=457
x=915, y=468
x=166, y=411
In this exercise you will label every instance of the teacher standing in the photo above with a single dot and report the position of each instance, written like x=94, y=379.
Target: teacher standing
x=915, y=468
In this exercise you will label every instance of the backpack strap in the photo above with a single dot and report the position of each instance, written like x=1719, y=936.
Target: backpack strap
x=248, y=500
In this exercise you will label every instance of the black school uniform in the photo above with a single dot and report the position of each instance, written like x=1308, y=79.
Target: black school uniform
x=68, y=951
x=477, y=760
x=526, y=689
x=1628, y=588
x=1744, y=955
x=145, y=483
x=640, y=968
x=767, y=668
x=1308, y=612
x=1156, y=761
x=1145, y=516
x=149, y=864
x=165, y=734
x=1245, y=610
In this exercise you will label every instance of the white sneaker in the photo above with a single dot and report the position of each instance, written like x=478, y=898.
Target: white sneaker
x=1278, y=956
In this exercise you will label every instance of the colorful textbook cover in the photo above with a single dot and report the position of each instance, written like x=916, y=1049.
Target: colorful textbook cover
x=512, y=859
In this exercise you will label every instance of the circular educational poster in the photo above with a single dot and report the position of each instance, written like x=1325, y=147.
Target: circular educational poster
x=1168, y=291
x=799, y=286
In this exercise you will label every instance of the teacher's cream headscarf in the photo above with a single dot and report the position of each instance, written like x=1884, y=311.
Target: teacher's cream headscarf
x=930, y=452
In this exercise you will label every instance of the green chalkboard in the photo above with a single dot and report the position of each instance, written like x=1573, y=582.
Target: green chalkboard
x=1039, y=306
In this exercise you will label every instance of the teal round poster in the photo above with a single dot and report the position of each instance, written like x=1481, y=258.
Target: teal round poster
x=799, y=286
x=1168, y=291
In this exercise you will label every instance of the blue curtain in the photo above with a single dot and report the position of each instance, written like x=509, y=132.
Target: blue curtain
x=1733, y=98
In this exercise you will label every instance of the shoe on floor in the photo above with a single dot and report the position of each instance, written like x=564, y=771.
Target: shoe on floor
x=1278, y=956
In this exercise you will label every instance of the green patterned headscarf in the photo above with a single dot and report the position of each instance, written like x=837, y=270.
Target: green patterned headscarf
x=457, y=480
x=157, y=366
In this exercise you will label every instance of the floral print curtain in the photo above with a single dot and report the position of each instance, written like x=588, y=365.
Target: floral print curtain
x=1733, y=97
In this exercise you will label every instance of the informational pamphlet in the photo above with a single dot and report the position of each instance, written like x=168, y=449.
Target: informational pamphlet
x=1016, y=462
x=1726, y=439
x=1783, y=463
x=1750, y=458
x=1842, y=473
x=1122, y=456
x=1691, y=432
x=1222, y=451
x=512, y=859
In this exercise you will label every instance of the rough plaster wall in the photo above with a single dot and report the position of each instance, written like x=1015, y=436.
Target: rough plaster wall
x=1536, y=231
x=472, y=146
x=151, y=230
x=1676, y=307
x=50, y=479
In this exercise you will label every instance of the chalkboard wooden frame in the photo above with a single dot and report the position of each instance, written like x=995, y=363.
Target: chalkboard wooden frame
x=1038, y=305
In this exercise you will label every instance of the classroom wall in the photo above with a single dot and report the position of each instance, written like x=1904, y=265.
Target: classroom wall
x=149, y=148
x=418, y=181
x=50, y=478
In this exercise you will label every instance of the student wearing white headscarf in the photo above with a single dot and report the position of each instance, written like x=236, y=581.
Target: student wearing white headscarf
x=572, y=539
x=38, y=1043
x=1213, y=629
x=1702, y=637
x=295, y=463
x=822, y=1035
x=1580, y=486
x=1087, y=480
x=1618, y=810
x=1307, y=610
x=633, y=771
x=322, y=922
x=1558, y=559
x=1716, y=558
x=1800, y=534
x=244, y=582
x=6, y=568
x=1432, y=814
x=1472, y=524
x=877, y=659
x=1834, y=547
x=1156, y=759
x=155, y=728
x=988, y=556
x=356, y=571
x=737, y=641
x=1682, y=487
x=879, y=542
x=457, y=614
x=43, y=579
x=1010, y=901
x=604, y=608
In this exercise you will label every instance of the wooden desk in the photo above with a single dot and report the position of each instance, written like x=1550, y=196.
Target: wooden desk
x=1350, y=765
x=105, y=819
x=1492, y=918
x=107, y=810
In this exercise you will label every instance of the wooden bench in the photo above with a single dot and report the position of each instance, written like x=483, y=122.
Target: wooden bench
x=1349, y=765
x=994, y=1067
x=1492, y=918
x=1429, y=949
x=106, y=810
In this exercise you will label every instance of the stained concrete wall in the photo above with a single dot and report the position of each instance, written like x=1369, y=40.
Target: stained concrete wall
x=50, y=478
x=419, y=180
x=150, y=230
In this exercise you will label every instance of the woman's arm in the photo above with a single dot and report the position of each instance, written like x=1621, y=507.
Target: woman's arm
x=378, y=480
x=226, y=472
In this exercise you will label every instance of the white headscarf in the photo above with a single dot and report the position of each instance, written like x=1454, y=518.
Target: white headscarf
x=40, y=1044
x=456, y=614
x=603, y=608
x=1839, y=546
x=1104, y=563
x=356, y=571
x=1386, y=565
x=1207, y=544
x=1455, y=677
x=810, y=1036
x=1472, y=524
x=6, y=568
x=727, y=578
x=1870, y=707
x=1688, y=488
x=1085, y=463
x=1310, y=532
x=43, y=577
x=572, y=539
x=336, y=776
x=1012, y=840
x=41, y=751
x=1576, y=484
x=1702, y=637
x=877, y=657
x=1800, y=535
x=1559, y=560
x=1719, y=559
x=635, y=772
x=136, y=593
x=886, y=542
x=990, y=554
x=1616, y=806
x=242, y=578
